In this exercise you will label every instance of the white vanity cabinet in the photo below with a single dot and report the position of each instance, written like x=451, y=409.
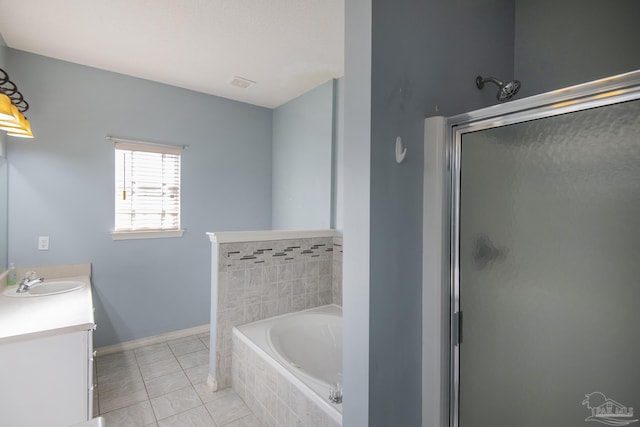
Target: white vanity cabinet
x=47, y=381
x=46, y=355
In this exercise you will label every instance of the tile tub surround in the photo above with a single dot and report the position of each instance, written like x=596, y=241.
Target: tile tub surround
x=275, y=399
x=255, y=280
x=336, y=271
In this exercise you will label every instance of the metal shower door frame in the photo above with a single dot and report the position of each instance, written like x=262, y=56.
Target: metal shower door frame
x=603, y=92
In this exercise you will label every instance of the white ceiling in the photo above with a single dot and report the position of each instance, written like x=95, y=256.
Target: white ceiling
x=286, y=46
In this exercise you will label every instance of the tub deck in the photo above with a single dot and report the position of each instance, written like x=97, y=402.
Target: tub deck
x=275, y=390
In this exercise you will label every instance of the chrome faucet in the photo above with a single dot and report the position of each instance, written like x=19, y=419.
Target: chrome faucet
x=335, y=393
x=30, y=279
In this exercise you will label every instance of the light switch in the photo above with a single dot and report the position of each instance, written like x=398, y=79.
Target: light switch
x=43, y=243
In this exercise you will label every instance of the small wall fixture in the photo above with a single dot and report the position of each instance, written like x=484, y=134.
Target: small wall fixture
x=12, y=107
x=401, y=151
x=506, y=90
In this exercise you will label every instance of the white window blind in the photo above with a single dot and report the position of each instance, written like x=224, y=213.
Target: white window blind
x=147, y=181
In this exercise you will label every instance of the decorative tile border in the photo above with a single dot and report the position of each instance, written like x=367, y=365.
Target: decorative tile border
x=271, y=397
x=232, y=256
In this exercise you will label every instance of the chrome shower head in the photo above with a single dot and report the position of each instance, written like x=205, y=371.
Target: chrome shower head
x=506, y=90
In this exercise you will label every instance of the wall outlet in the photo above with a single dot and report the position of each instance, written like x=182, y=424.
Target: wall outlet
x=43, y=243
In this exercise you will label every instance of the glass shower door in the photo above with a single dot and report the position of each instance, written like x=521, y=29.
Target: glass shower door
x=549, y=271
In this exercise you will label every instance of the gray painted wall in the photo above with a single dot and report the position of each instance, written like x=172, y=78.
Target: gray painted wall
x=357, y=164
x=567, y=42
x=424, y=59
x=302, y=161
x=424, y=62
x=61, y=185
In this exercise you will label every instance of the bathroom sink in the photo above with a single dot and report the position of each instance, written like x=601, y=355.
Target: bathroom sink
x=46, y=288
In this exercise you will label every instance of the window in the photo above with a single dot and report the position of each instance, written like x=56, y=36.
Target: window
x=147, y=182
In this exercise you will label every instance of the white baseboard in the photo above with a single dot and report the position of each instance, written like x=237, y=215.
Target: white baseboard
x=142, y=342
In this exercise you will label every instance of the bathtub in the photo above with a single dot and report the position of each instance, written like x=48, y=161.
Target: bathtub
x=301, y=356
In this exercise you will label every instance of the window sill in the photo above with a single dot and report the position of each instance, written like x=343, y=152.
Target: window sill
x=156, y=234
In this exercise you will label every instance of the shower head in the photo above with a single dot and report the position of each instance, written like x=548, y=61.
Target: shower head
x=506, y=90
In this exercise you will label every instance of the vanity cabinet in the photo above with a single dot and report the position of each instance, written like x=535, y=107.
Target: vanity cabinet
x=47, y=380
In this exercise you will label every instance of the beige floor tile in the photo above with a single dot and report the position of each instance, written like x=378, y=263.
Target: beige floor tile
x=198, y=374
x=196, y=417
x=175, y=402
x=117, y=373
x=228, y=408
x=123, y=396
x=153, y=353
x=107, y=384
x=106, y=364
x=192, y=360
x=167, y=383
x=136, y=415
x=205, y=338
x=248, y=421
x=206, y=395
x=158, y=369
x=186, y=347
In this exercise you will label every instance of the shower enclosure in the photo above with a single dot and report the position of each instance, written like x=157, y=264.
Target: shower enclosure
x=545, y=260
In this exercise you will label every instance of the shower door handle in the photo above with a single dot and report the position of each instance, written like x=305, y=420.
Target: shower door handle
x=457, y=328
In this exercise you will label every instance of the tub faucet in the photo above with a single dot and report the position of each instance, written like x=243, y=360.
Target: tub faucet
x=30, y=279
x=335, y=393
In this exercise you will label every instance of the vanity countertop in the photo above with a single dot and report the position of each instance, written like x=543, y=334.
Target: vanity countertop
x=33, y=317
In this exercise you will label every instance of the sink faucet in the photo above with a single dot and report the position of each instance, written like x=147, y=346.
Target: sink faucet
x=30, y=279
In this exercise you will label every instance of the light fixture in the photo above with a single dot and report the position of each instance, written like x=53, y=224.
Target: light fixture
x=20, y=127
x=12, y=105
x=6, y=111
x=21, y=135
x=14, y=122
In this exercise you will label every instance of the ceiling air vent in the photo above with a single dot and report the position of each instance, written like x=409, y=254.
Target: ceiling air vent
x=241, y=82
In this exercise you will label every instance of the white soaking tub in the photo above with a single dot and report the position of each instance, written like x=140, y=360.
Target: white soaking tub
x=305, y=350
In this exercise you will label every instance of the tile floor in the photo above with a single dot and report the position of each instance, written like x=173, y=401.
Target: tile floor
x=165, y=385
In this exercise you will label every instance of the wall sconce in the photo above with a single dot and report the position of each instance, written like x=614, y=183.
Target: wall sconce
x=12, y=105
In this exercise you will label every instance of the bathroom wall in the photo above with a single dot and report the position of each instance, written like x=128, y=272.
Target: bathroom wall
x=424, y=57
x=302, y=161
x=61, y=186
x=567, y=42
x=356, y=161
